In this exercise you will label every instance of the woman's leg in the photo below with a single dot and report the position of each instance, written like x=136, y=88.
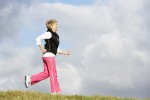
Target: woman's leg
x=53, y=76
x=42, y=75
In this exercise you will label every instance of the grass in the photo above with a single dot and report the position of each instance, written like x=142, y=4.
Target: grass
x=32, y=95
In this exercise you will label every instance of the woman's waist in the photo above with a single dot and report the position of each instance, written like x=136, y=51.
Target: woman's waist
x=48, y=54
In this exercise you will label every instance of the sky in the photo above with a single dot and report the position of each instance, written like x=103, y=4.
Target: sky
x=108, y=40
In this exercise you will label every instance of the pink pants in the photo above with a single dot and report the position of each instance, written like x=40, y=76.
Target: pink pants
x=49, y=71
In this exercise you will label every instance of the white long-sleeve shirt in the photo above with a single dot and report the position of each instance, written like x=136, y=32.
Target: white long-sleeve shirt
x=46, y=35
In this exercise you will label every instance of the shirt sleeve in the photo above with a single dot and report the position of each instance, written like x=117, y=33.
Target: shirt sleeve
x=58, y=50
x=46, y=35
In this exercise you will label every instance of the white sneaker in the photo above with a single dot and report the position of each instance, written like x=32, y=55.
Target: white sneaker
x=27, y=81
x=53, y=93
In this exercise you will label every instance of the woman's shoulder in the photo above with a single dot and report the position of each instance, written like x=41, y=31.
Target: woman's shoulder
x=47, y=33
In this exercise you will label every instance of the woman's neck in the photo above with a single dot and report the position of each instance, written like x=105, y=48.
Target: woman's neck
x=54, y=31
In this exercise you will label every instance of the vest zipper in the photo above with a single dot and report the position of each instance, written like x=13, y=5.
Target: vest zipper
x=48, y=45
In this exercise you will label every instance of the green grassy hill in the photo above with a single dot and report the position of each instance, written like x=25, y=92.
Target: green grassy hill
x=31, y=95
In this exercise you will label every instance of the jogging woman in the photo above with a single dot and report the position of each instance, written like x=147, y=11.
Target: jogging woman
x=49, y=51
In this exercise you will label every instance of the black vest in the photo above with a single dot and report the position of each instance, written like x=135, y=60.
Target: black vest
x=52, y=43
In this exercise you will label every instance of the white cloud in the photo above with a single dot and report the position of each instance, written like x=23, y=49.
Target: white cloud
x=70, y=78
x=14, y=62
x=106, y=58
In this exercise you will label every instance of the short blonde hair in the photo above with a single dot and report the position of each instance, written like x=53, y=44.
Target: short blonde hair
x=50, y=22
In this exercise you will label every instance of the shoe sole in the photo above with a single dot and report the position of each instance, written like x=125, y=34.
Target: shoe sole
x=25, y=81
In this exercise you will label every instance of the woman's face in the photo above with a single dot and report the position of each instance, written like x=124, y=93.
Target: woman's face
x=54, y=27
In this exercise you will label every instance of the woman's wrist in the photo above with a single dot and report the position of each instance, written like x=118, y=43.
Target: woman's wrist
x=42, y=48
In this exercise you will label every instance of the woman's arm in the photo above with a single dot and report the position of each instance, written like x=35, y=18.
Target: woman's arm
x=45, y=35
x=65, y=52
x=59, y=51
x=42, y=49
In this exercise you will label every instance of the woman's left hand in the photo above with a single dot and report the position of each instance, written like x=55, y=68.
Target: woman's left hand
x=67, y=53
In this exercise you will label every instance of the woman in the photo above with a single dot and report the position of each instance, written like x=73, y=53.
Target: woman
x=49, y=51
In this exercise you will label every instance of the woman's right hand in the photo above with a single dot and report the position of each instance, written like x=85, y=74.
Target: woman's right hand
x=44, y=50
